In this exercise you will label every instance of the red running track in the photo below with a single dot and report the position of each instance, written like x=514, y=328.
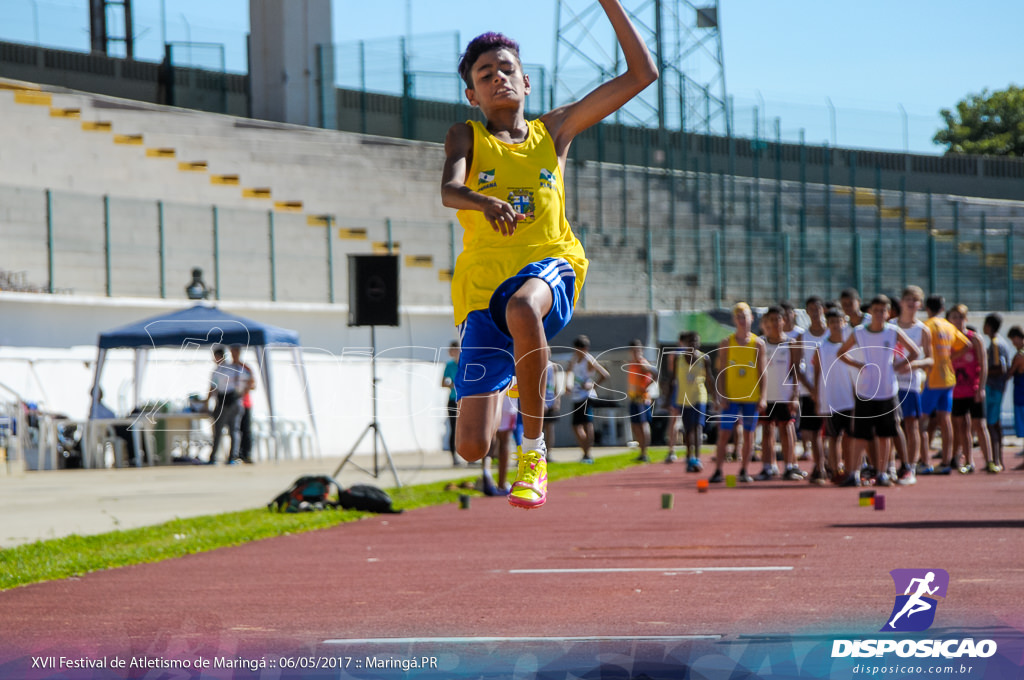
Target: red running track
x=443, y=571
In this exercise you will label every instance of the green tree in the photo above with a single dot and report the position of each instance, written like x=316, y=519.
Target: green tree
x=986, y=123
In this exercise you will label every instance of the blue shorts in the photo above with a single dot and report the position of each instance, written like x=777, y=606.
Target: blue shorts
x=486, y=362
x=993, y=405
x=640, y=413
x=694, y=416
x=910, y=403
x=736, y=410
x=940, y=400
x=1018, y=420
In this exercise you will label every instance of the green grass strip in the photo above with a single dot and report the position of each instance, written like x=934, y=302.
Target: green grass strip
x=75, y=555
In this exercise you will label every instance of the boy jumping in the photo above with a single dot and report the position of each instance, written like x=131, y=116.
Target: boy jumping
x=521, y=269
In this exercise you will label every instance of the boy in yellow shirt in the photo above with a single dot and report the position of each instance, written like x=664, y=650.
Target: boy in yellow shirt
x=516, y=282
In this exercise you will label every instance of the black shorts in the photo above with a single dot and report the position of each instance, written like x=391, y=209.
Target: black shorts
x=810, y=421
x=779, y=412
x=875, y=418
x=550, y=414
x=968, y=405
x=582, y=412
x=840, y=422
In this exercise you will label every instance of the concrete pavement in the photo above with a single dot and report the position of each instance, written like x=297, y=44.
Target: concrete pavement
x=51, y=504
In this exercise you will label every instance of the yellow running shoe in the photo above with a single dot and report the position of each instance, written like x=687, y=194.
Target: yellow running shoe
x=530, y=489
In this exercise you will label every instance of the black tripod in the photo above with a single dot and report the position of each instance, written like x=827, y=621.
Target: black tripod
x=374, y=425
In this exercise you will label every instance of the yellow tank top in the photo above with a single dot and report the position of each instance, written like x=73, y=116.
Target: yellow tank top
x=742, y=382
x=946, y=340
x=691, y=380
x=526, y=175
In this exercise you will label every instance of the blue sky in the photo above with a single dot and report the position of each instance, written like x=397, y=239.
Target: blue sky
x=868, y=58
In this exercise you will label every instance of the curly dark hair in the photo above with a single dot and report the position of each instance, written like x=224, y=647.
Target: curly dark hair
x=480, y=44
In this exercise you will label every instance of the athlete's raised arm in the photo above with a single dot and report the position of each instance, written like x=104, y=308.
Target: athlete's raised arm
x=565, y=122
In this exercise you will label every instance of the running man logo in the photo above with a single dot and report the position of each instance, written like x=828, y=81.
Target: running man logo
x=914, y=609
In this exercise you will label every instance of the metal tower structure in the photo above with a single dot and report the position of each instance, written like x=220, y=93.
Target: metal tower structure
x=686, y=40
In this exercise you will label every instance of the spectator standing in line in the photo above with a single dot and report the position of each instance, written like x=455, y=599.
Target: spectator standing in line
x=810, y=420
x=793, y=331
x=911, y=381
x=586, y=374
x=1016, y=336
x=245, y=383
x=778, y=385
x=451, y=368
x=835, y=400
x=999, y=360
x=849, y=300
x=692, y=370
x=227, y=412
x=971, y=369
x=640, y=375
x=937, y=395
x=875, y=408
x=741, y=363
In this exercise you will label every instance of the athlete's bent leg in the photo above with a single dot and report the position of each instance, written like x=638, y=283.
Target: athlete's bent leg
x=524, y=316
x=476, y=424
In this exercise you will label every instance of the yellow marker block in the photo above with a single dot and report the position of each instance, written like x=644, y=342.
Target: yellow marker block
x=33, y=98
x=381, y=247
x=160, y=153
x=996, y=260
x=97, y=125
x=419, y=260
x=1018, y=271
x=224, y=179
x=288, y=206
x=891, y=213
x=258, y=192
x=319, y=220
x=969, y=247
x=57, y=112
x=352, y=233
x=4, y=85
x=917, y=223
x=130, y=140
x=444, y=275
x=192, y=166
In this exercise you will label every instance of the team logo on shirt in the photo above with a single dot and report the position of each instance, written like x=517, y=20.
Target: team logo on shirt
x=522, y=201
x=547, y=179
x=486, y=180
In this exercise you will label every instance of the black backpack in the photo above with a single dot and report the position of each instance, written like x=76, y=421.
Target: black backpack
x=313, y=492
x=367, y=498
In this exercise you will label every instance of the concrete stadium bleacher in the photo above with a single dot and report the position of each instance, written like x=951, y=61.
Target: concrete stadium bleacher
x=261, y=203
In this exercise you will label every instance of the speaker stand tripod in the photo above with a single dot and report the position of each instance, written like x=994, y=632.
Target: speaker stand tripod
x=374, y=426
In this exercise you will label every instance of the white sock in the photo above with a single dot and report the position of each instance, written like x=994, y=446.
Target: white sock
x=535, y=444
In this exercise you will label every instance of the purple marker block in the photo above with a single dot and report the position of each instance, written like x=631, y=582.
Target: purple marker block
x=879, y=502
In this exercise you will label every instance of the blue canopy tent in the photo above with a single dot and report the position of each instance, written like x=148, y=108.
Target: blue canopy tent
x=200, y=326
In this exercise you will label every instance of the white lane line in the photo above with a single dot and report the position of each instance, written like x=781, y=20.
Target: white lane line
x=484, y=640
x=659, y=570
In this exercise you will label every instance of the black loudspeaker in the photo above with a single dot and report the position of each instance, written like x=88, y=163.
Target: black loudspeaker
x=372, y=290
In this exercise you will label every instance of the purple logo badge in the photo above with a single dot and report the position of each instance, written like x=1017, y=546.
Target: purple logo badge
x=916, y=589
